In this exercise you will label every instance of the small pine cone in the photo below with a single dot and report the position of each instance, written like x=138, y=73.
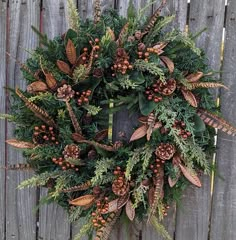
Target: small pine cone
x=138, y=35
x=141, y=47
x=65, y=92
x=121, y=53
x=166, y=88
x=97, y=73
x=87, y=119
x=120, y=187
x=92, y=154
x=131, y=39
x=71, y=151
x=165, y=151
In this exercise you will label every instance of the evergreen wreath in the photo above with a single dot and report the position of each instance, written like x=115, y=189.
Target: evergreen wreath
x=97, y=68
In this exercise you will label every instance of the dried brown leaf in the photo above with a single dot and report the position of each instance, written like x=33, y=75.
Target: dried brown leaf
x=38, y=86
x=77, y=137
x=123, y=200
x=139, y=133
x=64, y=67
x=101, y=135
x=194, y=77
x=111, y=34
x=71, y=52
x=83, y=200
x=130, y=211
x=216, y=122
x=20, y=144
x=189, y=97
x=169, y=63
x=143, y=119
x=192, y=177
x=99, y=145
x=51, y=81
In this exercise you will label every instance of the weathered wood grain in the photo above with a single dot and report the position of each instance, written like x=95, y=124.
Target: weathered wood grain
x=53, y=220
x=122, y=6
x=223, y=219
x=20, y=219
x=86, y=7
x=3, y=38
x=193, y=218
x=177, y=8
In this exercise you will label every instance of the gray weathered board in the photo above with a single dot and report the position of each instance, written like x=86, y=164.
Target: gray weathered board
x=199, y=209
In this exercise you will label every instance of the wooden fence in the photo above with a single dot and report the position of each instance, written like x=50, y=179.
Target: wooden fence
x=202, y=215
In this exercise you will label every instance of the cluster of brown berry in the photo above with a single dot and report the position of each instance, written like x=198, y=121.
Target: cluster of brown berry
x=152, y=94
x=86, y=56
x=83, y=97
x=64, y=164
x=122, y=63
x=44, y=135
x=102, y=208
x=181, y=126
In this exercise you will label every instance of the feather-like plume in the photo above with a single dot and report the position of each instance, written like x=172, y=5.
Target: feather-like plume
x=122, y=34
x=73, y=118
x=97, y=11
x=40, y=113
x=195, y=85
x=18, y=166
x=216, y=122
x=81, y=187
x=74, y=19
x=104, y=232
x=154, y=17
x=158, y=193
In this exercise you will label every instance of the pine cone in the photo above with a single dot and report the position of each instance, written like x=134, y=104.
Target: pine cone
x=120, y=187
x=97, y=73
x=138, y=35
x=65, y=92
x=166, y=88
x=165, y=151
x=71, y=151
x=141, y=47
x=92, y=154
x=87, y=119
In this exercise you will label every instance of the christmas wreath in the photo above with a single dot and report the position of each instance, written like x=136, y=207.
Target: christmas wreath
x=97, y=68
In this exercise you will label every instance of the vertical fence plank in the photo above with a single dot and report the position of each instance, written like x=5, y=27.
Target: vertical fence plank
x=3, y=31
x=53, y=220
x=193, y=217
x=223, y=219
x=20, y=218
x=177, y=8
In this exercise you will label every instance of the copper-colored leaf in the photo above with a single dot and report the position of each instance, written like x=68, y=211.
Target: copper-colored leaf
x=83, y=200
x=173, y=181
x=192, y=177
x=64, y=67
x=101, y=135
x=51, y=81
x=71, y=52
x=216, y=122
x=139, y=133
x=194, y=77
x=130, y=211
x=20, y=144
x=160, y=45
x=38, y=86
x=77, y=137
x=122, y=200
x=112, y=206
x=206, y=85
x=157, y=125
x=189, y=97
x=169, y=63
